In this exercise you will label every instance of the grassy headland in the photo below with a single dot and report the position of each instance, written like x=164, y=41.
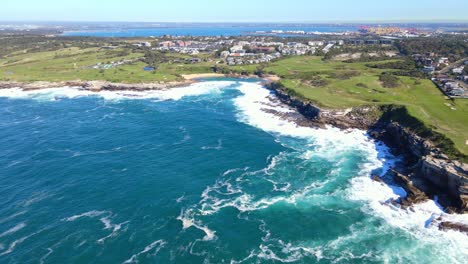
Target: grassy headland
x=329, y=84
x=336, y=84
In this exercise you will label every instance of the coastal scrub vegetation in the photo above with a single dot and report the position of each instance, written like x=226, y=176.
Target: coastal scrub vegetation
x=405, y=64
x=454, y=47
x=388, y=80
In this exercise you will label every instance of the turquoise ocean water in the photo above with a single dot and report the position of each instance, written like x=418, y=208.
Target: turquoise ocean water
x=203, y=174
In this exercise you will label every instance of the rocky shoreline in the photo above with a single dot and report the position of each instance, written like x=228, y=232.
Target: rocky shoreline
x=96, y=86
x=425, y=173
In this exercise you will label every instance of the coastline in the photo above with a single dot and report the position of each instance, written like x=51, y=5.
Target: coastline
x=98, y=85
x=427, y=172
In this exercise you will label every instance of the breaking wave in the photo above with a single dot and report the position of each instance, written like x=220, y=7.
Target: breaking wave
x=274, y=186
x=188, y=220
x=104, y=218
x=328, y=169
x=54, y=94
x=156, y=246
x=13, y=229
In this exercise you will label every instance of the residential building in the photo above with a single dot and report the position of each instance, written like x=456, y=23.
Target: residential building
x=318, y=43
x=428, y=69
x=457, y=92
x=458, y=70
x=225, y=54
x=444, y=60
x=449, y=86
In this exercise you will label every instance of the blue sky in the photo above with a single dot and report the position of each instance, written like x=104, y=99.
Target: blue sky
x=234, y=10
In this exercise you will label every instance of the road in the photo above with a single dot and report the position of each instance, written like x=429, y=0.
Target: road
x=453, y=65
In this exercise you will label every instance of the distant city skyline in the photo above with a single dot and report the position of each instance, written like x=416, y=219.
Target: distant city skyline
x=236, y=11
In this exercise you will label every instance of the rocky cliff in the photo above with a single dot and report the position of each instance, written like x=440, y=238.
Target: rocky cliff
x=426, y=167
x=431, y=170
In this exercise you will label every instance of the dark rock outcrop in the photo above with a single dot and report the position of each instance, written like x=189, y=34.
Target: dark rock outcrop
x=415, y=195
x=307, y=109
x=448, y=179
x=453, y=226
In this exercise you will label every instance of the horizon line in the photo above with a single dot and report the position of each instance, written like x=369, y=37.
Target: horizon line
x=396, y=21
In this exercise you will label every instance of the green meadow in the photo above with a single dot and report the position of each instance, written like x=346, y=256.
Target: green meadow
x=329, y=84
x=76, y=64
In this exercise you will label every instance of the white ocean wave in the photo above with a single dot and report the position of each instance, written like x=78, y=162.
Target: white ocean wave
x=254, y=107
x=13, y=245
x=18, y=241
x=331, y=143
x=276, y=250
x=417, y=219
x=188, y=220
x=91, y=214
x=50, y=250
x=43, y=258
x=180, y=199
x=109, y=225
x=54, y=94
x=156, y=246
x=105, y=220
x=217, y=147
x=14, y=229
x=8, y=218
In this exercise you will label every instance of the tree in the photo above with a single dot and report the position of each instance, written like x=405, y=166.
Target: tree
x=388, y=80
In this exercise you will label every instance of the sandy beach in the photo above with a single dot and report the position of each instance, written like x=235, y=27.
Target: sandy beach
x=201, y=75
x=270, y=78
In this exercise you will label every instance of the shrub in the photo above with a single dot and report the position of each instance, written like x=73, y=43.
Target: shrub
x=388, y=80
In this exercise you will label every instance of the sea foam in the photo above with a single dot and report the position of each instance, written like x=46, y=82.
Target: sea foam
x=156, y=246
x=105, y=219
x=254, y=109
x=256, y=106
x=91, y=214
x=188, y=220
x=54, y=94
x=14, y=229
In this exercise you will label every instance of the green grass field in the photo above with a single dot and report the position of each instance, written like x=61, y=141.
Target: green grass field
x=329, y=84
x=75, y=64
x=421, y=97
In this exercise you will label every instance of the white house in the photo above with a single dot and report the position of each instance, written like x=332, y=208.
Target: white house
x=458, y=70
x=225, y=54
x=316, y=43
x=237, y=49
